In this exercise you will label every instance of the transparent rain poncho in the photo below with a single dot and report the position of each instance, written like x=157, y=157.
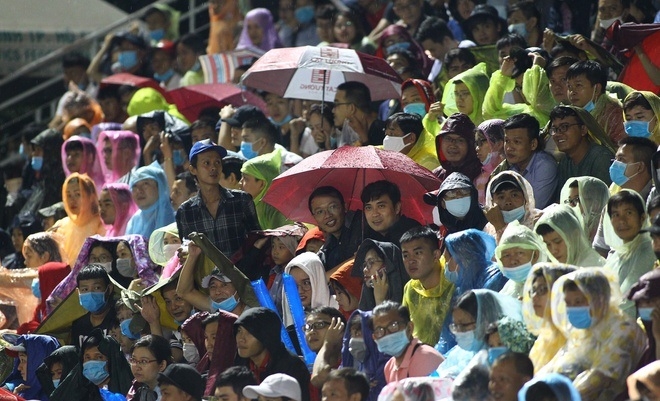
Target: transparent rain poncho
x=594, y=195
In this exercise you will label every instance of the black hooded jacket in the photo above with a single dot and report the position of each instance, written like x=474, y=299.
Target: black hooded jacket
x=475, y=217
x=265, y=326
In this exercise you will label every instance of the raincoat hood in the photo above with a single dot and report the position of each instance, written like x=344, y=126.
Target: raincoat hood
x=518, y=235
x=37, y=348
x=561, y=386
x=474, y=218
x=473, y=251
x=424, y=88
x=528, y=192
x=122, y=162
x=596, y=133
x=149, y=99
x=397, y=276
x=156, y=246
x=311, y=264
x=121, y=376
x=262, y=323
x=50, y=140
x=194, y=329
x=564, y=221
x=476, y=79
x=654, y=101
x=67, y=355
x=263, y=18
x=594, y=195
x=90, y=163
x=125, y=208
x=458, y=124
x=264, y=167
x=160, y=214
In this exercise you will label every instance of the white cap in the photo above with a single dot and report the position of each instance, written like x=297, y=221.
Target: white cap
x=275, y=385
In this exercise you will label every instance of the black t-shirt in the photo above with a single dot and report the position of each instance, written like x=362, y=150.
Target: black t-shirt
x=81, y=327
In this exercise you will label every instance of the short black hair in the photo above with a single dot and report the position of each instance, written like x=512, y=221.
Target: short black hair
x=157, y=345
x=433, y=28
x=357, y=93
x=387, y=306
x=626, y=197
x=544, y=229
x=202, y=123
x=561, y=111
x=108, y=92
x=325, y=111
x=421, y=232
x=636, y=99
x=521, y=362
x=566, y=47
x=263, y=128
x=512, y=40
x=93, y=271
x=354, y=382
x=232, y=166
x=559, y=62
x=194, y=42
x=237, y=377
x=75, y=60
x=325, y=191
x=189, y=180
x=460, y=54
x=330, y=311
x=379, y=188
x=408, y=122
x=530, y=123
x=528, y=9
x=595, y=73
x=540, y=391
x=469, y=303
x=643, y=150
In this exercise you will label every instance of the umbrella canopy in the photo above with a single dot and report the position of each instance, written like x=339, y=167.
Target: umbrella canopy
x=124, y=78
x=299, y=73
x=350, y=169
x=219, y=68
x=625, y=37
x=191, y=100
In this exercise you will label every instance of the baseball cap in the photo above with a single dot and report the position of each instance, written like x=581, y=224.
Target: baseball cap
x=504, y=179
x=275, y=385
x=203, y=146
x=243, y=114
x=14, y=347
x=216, y=274
x=185, y=377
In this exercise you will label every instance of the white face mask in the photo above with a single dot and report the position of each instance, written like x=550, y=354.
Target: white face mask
x=125, y=267
x=459, y=207
x=107, y=266
x=394, y=143
x=191, y=353
x=169, y=250
x=436, y=217
x=605, y=23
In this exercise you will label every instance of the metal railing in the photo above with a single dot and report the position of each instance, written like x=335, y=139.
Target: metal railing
x=45, y=111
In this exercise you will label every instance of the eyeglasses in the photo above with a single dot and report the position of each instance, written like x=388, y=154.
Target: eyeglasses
x=341, y=103
x=538, y=291
x=142, y=362
x=394, y=327
x=456, y=194
x=369, y=263
x=561, y=128
x=306, y=285
x=320, y=325
x=454, y=140
x=332, y=209
x=480, y=142
x=572, y=201
x=346, y=24
x=460, y=327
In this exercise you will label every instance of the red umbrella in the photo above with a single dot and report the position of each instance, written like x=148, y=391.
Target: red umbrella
x=350, y=169
x=191, y=100
x=625, y=37
x=313, y=73
x=124, y=78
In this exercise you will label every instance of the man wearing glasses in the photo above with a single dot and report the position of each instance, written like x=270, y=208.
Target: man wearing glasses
x=392, y=332
x=583, y=143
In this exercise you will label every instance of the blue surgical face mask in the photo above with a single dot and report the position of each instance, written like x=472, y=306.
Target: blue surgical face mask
x=467, y=340
x=579, y=316
x=128, y=59
x=459, y=207
x=247, y=150
x=637, y=128
x=95, y=371
x=618, y=173
x=397, y=46
x=645, y=313
x=393, y=344
x=279, y=124
x=164, y=77
x=92, y=301
x=177, y=157
x=157, y=34
x=56, y=383
x=125, y=329
x=519, y=28
x=305, y=14
x=228, y=304
x=196, y=67
x=36, y=291
x=495, y=352
x=37, y=163
x=488, y=158
x=415, y=108
x=452, y=276
x=591, y=105
x=518, y=274
x=513, y=215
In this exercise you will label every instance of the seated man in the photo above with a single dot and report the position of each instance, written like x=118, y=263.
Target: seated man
x=346, y=384
x=180, y=382
x=583, y=144
x=508, y=375
x=392, y=331
x=229, y=384
x=353, y=103
x=151, y=194
x=95, y=293
x=381, y=202
x=260, y=136
x=264, y=353
x=405, y=133
x=342, y=229
x=523, y=149
x=177, y=307
x=586, y=82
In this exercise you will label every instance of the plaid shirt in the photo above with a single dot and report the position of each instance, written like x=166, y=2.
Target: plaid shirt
x=236, y=216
